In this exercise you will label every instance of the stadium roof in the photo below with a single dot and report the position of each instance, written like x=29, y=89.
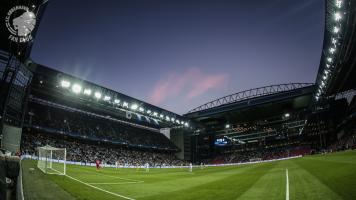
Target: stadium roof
x=338, y=64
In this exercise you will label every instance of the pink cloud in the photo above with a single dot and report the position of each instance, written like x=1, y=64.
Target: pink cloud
x=189, y=84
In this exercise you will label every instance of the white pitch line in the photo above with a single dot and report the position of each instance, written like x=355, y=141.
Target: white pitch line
x=287, y=185
x=118, y=195
x=120, y=183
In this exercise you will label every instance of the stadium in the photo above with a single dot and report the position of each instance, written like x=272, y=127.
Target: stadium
x=65, y=137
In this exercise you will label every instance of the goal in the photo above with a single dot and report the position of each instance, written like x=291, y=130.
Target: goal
x=52, y=160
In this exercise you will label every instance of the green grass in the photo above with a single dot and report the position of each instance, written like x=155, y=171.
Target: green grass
x=331, y=176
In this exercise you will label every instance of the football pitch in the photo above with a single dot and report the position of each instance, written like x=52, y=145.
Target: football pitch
x=331, y=176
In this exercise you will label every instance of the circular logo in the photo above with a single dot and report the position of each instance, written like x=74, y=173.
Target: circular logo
x=20, y=21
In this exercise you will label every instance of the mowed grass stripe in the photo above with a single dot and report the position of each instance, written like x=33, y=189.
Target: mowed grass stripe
x=229, y=187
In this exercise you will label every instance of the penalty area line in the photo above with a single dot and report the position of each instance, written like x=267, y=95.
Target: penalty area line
x=119, y=183
x=87, y=184
x=287, y=185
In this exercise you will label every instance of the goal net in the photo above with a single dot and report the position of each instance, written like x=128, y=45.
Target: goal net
x=52, y=160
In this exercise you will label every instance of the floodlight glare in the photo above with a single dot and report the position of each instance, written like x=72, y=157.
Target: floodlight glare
x=338, y=3
x=87, y=91
x=336, y=29
x=332, y=50
x=286, y=115
x=76, y=88
x=117, y=101
x=141, y=109
x=337, y=16
x=148, y=111
x=227, y=126
x=325, y=77
x=172, y=119
x=155, y=114
x=161, y=115
x=333, y=41
x=97, y=95
x=186, y=124
x=65, y=84
x=178, y=122
x=329, y=59
x=107, y=98
x=134, y=106
x=125, y=104
x=168, y=119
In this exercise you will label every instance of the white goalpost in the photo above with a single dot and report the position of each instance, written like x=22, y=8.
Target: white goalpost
x=52, y=160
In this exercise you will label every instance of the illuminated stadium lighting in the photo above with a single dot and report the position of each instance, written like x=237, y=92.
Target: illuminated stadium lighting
x=155, y=114
x=134, y=106
x=172, y=119
x=97, y=95
x=338, y=3
x=117, y=101
x=327, y=66
x=161, y=116
x=107, y=98
x=287, y=115
x=332, y=50
x=182, y=122
x=333, y=41
x=168, y=119
x=336, y=29
x=317, y=98
x=65, y=84
x=148, y=111
x=177, y=121
x=337, y=16
x=141, y=109
x=329, y=59
x=325, y=77
x=87, y=92
x=76, y=88
x=125, y=105
x=186, y=124
x=227, y=126
x=322, y=83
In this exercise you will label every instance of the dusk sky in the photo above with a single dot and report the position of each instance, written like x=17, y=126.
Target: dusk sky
x=181, y=54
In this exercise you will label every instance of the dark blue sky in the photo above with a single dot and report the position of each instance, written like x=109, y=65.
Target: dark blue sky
x=181, y=54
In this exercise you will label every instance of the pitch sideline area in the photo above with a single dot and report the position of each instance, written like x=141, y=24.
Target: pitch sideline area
x=331, y=176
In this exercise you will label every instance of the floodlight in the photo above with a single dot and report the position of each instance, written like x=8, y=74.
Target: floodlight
x=161, y=115
x=134, y=106
x=332, y=50
x=317, y=98
x=333, y=41
x=327, y=66
x=178, y=122
x=97, y=95
x=65, y=84
x=325, y=77
x=107, y=98
x=338, y=3
x=337, y=16
x=286, y=115
x=336, y=29
x=227, y=126
x=125, y=104
x=155, y=114
x=172, y=119
x=141, y=109
x=186, y=124
x=117, y=101
x=329, y=59
x=148, y=111
x=87, y=91
x=76, y=88
x=168, y=119
x=323, y=83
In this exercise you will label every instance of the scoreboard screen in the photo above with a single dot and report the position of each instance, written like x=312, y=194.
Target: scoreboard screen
x=221, y=142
